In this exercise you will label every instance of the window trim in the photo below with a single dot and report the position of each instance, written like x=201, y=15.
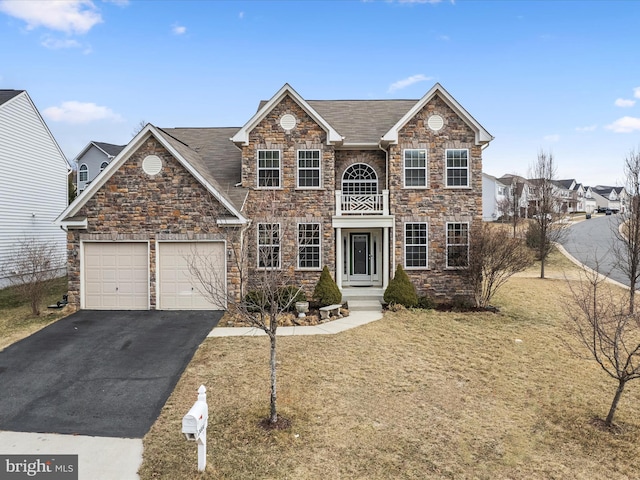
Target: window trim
x=319, y=169
x=425, y=245
x=447, y=168
x=317, y=246
x=447, y=245
x=259, y=169
x=85, y=171
x=405, y=168
x=103, y=165
x=270, y=245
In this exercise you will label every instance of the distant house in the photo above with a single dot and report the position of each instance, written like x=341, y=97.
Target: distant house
x=29, y=205
x=92, y=160
x=606, y=197
x=493, y=197
x=567, y=194
x=518, y=190
x=590, y=204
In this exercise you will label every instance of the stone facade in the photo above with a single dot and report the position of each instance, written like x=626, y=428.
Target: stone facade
x=132, y=205
x=436, y=204
x=173, y=205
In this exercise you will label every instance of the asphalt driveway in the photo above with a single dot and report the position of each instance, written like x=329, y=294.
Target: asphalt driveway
x=98, y=373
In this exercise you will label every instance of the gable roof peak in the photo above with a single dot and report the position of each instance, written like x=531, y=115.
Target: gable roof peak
x=483, y=137
x=242, y=136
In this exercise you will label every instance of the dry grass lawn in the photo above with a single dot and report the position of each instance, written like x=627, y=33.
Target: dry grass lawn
x=418, y=394
x=16, y=321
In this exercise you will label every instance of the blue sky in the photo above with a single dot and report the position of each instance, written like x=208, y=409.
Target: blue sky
x=559, y=76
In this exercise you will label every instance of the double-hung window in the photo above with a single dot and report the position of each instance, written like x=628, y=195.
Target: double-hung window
x=415, y=168
x=308, y=168
x=415, y=245
x=269, y=245
x=269, y=168
x=457, y=245
x=309, y=245
x=84, y=173
x=457, y=167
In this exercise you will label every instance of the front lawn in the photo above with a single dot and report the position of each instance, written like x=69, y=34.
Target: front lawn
x=418, y=394
x=16, y=321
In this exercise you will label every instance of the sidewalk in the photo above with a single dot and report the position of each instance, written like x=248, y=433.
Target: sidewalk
x=99, y=458
x=355, y=319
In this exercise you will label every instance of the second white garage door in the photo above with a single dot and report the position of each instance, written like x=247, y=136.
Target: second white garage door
x=178, y=289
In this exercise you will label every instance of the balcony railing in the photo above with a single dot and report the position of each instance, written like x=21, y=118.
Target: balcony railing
x=377, y=204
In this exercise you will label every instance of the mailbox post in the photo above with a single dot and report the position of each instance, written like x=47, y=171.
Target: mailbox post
x=194, y=426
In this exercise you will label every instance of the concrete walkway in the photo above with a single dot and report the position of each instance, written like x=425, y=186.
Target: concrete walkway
x=99, y=458
x=355, y=319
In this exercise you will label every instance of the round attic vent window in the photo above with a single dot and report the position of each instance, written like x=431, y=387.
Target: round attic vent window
x=435, y=122
x=152, y=164
x=288, y=121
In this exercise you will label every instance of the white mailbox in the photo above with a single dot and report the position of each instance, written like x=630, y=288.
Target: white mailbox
x=194, y=426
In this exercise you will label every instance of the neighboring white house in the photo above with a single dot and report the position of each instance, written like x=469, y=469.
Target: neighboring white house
x=93, y=159
x=493, y=194
x=33, y=178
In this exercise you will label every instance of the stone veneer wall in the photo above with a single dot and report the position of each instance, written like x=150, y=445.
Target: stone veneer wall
x=289, y=205
x=132, y=205
x=375, y=158
x=435, y=204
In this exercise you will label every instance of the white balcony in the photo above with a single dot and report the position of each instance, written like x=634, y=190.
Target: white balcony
x=347, y=204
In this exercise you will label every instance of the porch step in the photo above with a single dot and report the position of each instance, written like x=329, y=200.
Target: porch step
x=364, y=305
x=363, y=299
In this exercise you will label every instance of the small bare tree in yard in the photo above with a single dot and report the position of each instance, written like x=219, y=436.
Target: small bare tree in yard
x=32, y=269
x=547, y=227
x=626, y=247
x=494, y=256
x=601, y=321
x=266, y=291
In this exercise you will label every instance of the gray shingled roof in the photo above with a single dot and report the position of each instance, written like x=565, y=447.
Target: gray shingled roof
x=6, y=95
x=110, y=148
x=360, y=121
x=211, y=152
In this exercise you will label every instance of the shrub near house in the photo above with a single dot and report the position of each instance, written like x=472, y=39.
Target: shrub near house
x=358, y=186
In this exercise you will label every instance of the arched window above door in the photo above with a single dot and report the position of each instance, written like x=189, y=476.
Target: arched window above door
x=360, y=179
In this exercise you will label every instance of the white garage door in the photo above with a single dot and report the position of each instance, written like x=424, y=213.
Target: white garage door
x=116, y=276
x=178, y=288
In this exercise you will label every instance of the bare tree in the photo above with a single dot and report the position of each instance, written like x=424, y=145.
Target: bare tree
x=601, y=321
x=138, y=127
x=32, y=269
x=548, y=227
x=494, y=256
x=266, y=286
x=626, y=246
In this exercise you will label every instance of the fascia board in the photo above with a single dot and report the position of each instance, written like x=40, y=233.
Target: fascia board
x=83, y=152
x=242, y=136
x=482, y=136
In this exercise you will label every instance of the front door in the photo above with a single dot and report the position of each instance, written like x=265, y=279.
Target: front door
x=360, y=258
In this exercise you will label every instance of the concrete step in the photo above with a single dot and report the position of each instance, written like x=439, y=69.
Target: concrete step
x=364, y=305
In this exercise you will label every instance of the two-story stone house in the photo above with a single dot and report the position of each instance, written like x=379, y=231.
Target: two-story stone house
x=357, y=185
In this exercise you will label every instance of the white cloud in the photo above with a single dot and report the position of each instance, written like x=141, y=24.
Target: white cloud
x=70, y=16
x=179, y=30
x=624, y=103
x=552, y=138
x=79, y=112
x=421, y=1
x=57, y=44
x=636, y=92
x=404, y=83
x=625, y=125
x=588, y=128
